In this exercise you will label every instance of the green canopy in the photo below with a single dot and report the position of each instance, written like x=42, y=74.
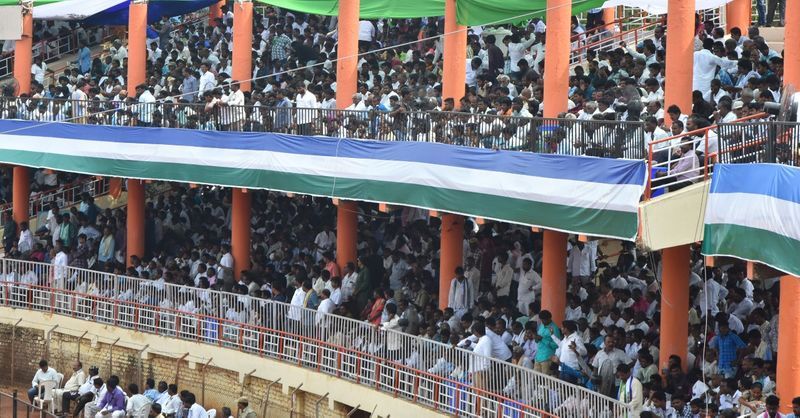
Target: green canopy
x=469, y=12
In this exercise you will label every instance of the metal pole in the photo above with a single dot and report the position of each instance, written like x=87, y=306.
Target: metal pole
x=291, y=399
x=353, y=411
x=14, y=338
x=14, y=402
x=203, y=384
x=266, y=400
x=111, y=357
x=178, y=367
x=79, y=344
x=47, y=342
x=141, y=366
x=373, y=411
x=244, y=381
x=316, y=404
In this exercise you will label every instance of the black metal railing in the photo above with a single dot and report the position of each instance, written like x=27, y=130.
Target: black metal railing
x=601, y=138
x=759, y=142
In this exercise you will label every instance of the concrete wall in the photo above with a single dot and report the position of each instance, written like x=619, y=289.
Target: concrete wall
x=675, y=218
x=217, y=376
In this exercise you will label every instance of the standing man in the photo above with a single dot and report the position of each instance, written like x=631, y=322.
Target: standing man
x=530, y=284
x=630, y=390
x=462, y=295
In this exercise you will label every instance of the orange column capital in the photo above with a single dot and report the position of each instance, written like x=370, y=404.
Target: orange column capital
x=137, y=44
x=788, y=370
x=243, y=43
x=23, y=54
x=674, y=304
x=680, y=55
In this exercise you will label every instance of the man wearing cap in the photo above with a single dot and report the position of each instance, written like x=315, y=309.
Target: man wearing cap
x=245, y=411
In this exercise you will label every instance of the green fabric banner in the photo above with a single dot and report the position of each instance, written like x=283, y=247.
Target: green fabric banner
x=469, y=12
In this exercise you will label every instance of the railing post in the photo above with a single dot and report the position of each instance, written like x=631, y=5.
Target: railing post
x=14, y=397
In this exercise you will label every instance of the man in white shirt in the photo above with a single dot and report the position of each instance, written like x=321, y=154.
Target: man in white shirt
x=63, y=396
x=462, y=296
x=366, y=32
x=38, y=69
x=479, y=364
x=44, y=374
x=579, y=261
x=136, y=401
x=349, y=282
x=570, y=350
x=503, y=276
x=305, y=102
x=530, y=284
x=494, y=330
x=171, y=401
x=25, y=243
x=146, y=107
x=324, y=241
x=630, y=390
x=207, y=81
x=605, y=364
x=326, y=307
x=194, y=409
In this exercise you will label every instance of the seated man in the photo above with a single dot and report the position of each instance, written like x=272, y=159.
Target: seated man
x=155, y=411
x=112, y=405
x=44, y=374
x=194, y=410
x=62, y=397
x=136, y=401
x=90, y=397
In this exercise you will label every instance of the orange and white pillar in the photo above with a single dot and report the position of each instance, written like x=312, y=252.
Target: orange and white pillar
x=674, y=304
x=346, y=87
x=135, y=220
x=609, y=16
x=788, y=368
x=241, y=201
x=680, y=53
x=556, y=87
x=738, y=14
x=451, y=253
x=21, y=186
x=137, y=43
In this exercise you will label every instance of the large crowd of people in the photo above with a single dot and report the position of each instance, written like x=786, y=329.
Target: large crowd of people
x=609, y=339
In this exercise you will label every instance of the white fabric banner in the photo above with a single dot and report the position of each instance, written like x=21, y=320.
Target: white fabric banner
x=73, y=9
x=659, y=7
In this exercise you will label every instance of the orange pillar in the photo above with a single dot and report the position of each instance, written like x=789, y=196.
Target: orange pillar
x=453, y=87
x=243, y=43
x=240, y=230
x=556, y=62
x=680, y=53
x=738, y=15
x=346, y=86
x=346, y=232
x=115, y=187
x=609, y=15
x=242, y=71
x=23, y=56
x=674, y=304
x=215, y=11
x=135, y=219
x=556, y=57
x=554, y=274
x=791, y=63
x=21, y=194
x=788, y=378
x=137, y=44
x=451, y=253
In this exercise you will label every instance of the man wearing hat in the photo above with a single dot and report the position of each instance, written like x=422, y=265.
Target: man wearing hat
x=245, y=411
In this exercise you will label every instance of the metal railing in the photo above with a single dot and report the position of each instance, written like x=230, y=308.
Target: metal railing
x=747, y=140
x=12, y=406
x=607, y=41
x=65, y=196
x=439, y=376
x=602, y=138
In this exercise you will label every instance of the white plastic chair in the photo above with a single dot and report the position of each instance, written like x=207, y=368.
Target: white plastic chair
x=142, y=412
x=45, y=396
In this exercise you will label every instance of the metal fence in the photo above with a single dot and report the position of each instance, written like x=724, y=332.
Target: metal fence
x=65, y=196
x=440, y=376
x=12, y=406
x=759, y=142
x=601, y=138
